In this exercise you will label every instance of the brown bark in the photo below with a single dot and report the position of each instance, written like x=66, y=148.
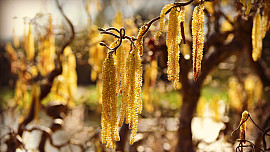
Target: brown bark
x=123, y=133
x=191, y=96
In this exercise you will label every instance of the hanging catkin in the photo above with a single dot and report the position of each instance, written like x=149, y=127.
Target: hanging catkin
x=139, y=41
x=109, y=103
x=172, y=41
x=243, y=127
x=30, y=49
x=162, y=19
x=256, y=38
x=131, y=99
x=198, y=39
x=120, y=67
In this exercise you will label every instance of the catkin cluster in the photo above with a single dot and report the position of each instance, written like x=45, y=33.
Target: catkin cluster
x=173, y=39
x=198, y=39
x=131, y=99
x=243, y=127
x=109, y=103
x=128, y=77
x=256, y=37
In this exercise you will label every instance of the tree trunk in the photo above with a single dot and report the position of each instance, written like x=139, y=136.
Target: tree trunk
x=123, y=133
x=191, y=94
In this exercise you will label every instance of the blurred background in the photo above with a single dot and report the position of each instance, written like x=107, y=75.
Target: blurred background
x=42, y=109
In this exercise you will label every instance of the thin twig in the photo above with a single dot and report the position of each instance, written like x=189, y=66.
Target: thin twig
x=251, y=144
x=259, y=127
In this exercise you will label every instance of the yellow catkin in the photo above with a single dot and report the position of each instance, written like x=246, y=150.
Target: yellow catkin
x=139, y=41
x=198, y=39
x=162, y=20
x=235, y=95
x=265, y=18
x=120, y=67
x=172, y=41
x=247, y=5
x=30, y=49
x=11, y=51
x=243, y=127
x=69, y=73
x=154, y=71
x=125, y=88
x=124, y=111
x=24, y=37
x=16, y=40
x=131, y=99
x=65, y=85
x=109, y=103
x=256, y=37
x=96, y=52
x=20, y=94
x=181, y=18
x=46, y=50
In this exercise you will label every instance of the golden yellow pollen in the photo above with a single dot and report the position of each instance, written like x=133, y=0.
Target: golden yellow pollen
x=109, y=103
x=173, y=40
x=139, y=41
x=243, y=127
x=198, y=39
x=256, y=37
x=162, y=19
x=131, y=99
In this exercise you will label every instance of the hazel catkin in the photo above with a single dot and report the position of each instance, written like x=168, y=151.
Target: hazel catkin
x=131, y=99
x=256, y=38
x=243, y=127
x=109, y=103
x=139, y=41
x=198, y=39
x=162, y=19
x=172, y=41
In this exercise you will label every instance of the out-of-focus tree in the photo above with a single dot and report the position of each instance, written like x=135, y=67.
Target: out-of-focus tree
x=201, y=37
